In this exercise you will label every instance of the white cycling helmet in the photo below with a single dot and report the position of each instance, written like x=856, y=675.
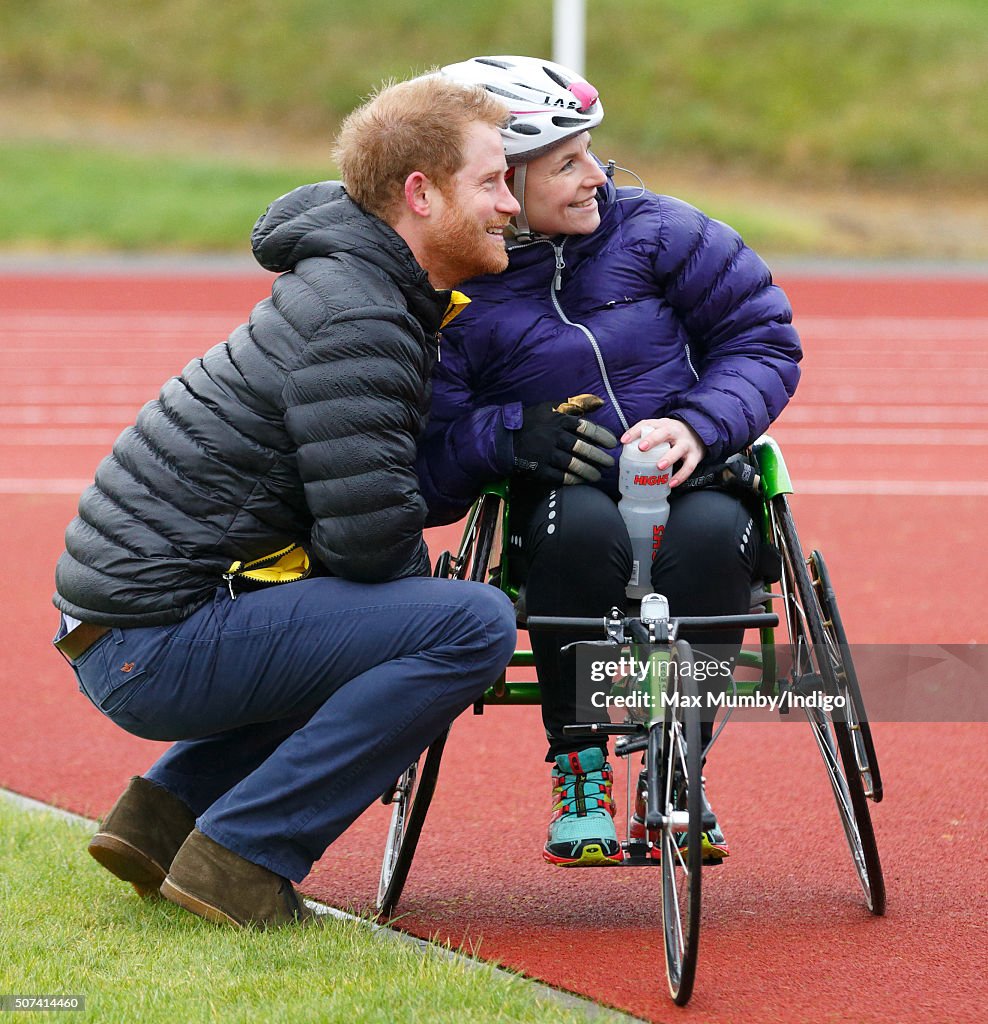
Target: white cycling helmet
x=548, y=103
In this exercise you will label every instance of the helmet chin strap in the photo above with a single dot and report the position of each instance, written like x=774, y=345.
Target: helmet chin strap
x=519, y=228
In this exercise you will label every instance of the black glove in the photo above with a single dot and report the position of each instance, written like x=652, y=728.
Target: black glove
x=557, y=447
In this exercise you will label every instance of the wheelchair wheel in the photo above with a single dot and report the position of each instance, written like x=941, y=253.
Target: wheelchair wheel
x=674, y=768
x=409, y=803
x=412, y=793
x=847, y=679
x=817, y=663
x=480, y=540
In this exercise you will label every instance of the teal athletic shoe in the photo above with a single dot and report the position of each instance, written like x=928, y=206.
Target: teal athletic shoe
x=581, y=829
x=713, y=843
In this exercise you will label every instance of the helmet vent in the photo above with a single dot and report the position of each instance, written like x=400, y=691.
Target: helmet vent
x=492, y=63
x=568, y=122
x=504, y=92
x=524, y=129
x=557, y=78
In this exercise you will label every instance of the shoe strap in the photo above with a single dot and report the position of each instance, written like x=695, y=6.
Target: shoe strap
x=581, y=762
x=580, y=794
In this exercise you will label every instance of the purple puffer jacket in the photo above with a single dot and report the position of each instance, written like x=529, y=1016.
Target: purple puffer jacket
x=661, y=311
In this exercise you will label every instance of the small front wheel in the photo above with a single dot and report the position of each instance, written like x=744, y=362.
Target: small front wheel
x=675, y=755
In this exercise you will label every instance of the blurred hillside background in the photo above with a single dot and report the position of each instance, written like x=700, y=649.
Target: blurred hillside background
x=853, y=128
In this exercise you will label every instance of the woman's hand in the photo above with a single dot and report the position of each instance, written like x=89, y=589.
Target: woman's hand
x=687, y=448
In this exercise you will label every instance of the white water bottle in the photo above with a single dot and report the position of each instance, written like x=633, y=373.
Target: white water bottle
x=644, y=506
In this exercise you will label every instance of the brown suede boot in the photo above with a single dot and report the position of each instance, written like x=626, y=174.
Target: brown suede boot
x=223, y=887
x=141, y=835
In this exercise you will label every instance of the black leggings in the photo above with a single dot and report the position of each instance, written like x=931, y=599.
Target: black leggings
x=576, y=559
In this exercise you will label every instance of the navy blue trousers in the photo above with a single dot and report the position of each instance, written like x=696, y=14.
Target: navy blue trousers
x=296, y=706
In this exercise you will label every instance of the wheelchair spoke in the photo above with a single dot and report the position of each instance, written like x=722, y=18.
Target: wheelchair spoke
x=681, y=757
x=829, y=752
x=681, y=861
x=671, y=850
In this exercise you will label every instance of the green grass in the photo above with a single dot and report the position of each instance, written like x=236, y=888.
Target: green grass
x=67, y=927
x=72, y=197
x=818, y=90
x=77, y=197
x=863, y=98
x=822, y=90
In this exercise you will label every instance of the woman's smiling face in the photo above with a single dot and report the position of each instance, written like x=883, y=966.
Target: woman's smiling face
x=561, y=189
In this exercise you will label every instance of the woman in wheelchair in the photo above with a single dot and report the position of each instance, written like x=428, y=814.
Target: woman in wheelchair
x=675, y=324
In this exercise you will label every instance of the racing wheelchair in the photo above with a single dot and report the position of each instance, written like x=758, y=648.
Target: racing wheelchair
x=809, y=659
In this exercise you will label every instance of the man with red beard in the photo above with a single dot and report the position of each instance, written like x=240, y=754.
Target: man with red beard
x=286, y=455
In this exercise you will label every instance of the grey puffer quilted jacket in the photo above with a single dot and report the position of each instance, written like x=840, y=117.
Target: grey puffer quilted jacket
x=300, y=428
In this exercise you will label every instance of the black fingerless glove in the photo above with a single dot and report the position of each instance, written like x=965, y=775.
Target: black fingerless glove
x=559, y=448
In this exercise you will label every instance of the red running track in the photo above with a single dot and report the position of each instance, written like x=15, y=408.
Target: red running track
x=886, y=443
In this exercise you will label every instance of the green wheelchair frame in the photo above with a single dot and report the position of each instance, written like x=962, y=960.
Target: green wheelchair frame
x=815, y=657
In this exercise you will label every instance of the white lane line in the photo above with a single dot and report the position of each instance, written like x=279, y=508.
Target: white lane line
x=145, y=374
x=119, y=415
x=904, y=488
x=917, y=362
x=878, y=385
x=879, y=394
x=860, y=329
x=916, y=488
x=48, y=437
x=34, y=485
x=863, y=329
x=36, y=394
x=812, y=393
x=144, y=346
x=803, y=414
x=878, y=376
x=80, y=324
x=807, y=412
x=68, y=415
x=825, y=434
x=893, y=437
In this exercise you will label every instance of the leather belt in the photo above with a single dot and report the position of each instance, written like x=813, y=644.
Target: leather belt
x=75, y=644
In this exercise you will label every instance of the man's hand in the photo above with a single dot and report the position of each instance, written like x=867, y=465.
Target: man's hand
x=687, y=448
x=580, y=405
x=558, y=446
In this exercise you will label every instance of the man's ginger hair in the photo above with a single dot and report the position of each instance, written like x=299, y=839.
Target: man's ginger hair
x=418, y=125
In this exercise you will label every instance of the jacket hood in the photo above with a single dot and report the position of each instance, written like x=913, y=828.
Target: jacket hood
x=321, y=219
